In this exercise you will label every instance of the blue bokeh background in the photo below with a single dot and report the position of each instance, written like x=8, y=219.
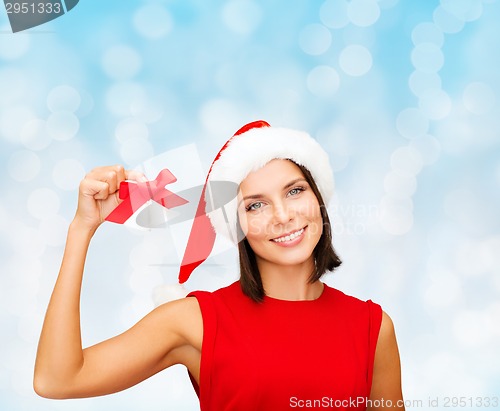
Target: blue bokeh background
x=404, y=96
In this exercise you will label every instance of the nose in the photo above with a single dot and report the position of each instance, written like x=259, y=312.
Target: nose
x=281, y=213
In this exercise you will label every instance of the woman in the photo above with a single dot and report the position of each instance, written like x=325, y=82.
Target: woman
x=275, y=340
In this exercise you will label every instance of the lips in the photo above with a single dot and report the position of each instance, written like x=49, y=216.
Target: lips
x=289, y=237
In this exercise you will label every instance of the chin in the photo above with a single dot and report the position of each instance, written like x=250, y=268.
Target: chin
x=287, y=257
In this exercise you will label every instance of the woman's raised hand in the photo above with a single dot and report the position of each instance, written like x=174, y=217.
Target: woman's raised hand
x=98, y=193
x=63, y=369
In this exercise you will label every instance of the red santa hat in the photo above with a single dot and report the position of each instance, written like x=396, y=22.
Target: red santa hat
x=251, y=148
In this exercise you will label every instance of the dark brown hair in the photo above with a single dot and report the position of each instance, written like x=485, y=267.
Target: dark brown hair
x=325, y=258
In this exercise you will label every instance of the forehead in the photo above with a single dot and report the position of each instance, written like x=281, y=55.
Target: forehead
x=274, y=174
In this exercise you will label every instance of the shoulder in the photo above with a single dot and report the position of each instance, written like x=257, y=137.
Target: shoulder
x=205, y=300
x=387, y=335
x=182, y=308
x=229, y=292
x=351, y=302
x=183, y=316
x=387, y=346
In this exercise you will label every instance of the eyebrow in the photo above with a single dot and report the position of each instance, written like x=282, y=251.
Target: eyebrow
x=288, y=185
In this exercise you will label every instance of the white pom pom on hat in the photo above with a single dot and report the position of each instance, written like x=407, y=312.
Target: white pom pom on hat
x=250, y=148
x=168, y=292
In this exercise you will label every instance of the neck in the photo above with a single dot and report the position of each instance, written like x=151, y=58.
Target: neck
x=289, y=282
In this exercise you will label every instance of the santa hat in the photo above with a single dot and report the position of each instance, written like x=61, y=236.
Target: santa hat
x=251, y=148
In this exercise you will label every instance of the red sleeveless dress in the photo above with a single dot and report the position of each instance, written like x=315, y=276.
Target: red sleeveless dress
x=283, y=355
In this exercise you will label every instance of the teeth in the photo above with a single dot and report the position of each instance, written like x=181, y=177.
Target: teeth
x=289, y=237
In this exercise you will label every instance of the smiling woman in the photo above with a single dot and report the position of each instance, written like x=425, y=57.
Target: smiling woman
x=293, y=216
x=275, y=335
x=261, y=331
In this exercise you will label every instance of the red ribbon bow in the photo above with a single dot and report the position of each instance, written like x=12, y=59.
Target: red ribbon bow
x=135, y=194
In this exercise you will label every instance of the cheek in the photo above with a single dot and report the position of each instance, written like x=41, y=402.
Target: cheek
x=317, y=214
x=256, y=227
x=318, y=218
x=312, y=213
x=253, y=225
x=310, y=209
x=242, y=221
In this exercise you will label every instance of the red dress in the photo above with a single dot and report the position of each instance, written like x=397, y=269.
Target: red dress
x=283, y=355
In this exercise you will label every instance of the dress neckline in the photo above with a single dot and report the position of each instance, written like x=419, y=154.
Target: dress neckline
x=281, y=301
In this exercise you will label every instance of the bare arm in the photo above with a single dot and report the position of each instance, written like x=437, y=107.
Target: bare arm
x=386, y=390
x=63, y=369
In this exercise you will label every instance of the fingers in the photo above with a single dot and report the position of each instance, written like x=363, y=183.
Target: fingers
x=103, y=190
x=98, y=194
x=111, y=175
x=99, y=190
x=104, y=181
x=135, y=176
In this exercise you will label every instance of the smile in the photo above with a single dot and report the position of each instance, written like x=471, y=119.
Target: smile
x=288, y=237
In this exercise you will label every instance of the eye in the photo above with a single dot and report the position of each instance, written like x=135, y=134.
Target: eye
x=296, y=190
x=254, y=206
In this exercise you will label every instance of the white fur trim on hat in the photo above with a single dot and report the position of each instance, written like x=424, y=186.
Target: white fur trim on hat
x=252, y=150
